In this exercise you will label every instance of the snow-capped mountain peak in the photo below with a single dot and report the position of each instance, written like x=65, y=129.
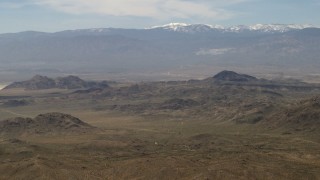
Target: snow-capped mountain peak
x=187, y=28
x=273, y=27
x=173, y=26
x=194, y=28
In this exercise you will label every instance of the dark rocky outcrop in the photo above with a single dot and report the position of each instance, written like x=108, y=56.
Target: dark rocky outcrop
x=50, y=123
x=233, y=76
x=177, y=103
x=70, y=82
x=15, y=103
x=37, y=82
x=304, y=116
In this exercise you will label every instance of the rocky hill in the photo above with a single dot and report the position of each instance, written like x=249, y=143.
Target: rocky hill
x=233, y=76
x=50, y=123
x=304, y=116
x=70, y=82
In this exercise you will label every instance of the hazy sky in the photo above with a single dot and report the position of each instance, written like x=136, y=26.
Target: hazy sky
x=56, y=15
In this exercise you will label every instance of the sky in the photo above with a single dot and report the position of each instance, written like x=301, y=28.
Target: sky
x=58, y=15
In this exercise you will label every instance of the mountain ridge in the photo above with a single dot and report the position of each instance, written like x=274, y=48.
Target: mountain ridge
x=38, y=82
x=193, y=28
x=101, y=51
x=233, y=76
x=187, y=28
x=48, y=123
x=202, y=28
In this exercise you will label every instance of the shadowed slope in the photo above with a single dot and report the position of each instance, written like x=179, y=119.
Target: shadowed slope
x=304, y=116
x=70, y=82
x=233, y=76
x=50, y=123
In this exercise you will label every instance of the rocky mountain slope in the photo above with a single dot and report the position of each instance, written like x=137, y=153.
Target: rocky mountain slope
x=303, y=116
x=233, y=76
x=50, y=123
x=43, y=82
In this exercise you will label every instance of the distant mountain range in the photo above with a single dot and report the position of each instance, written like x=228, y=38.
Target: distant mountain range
x=168, y=48
x=197, y=28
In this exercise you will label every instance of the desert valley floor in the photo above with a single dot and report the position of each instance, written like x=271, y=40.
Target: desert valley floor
x=230, y=126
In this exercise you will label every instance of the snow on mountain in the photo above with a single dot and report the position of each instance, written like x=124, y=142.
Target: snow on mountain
x=188, y=28
x=86, y=31
x=203, y=28
x=171, y=26
x=269, y=27
x=195, y=28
